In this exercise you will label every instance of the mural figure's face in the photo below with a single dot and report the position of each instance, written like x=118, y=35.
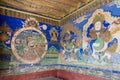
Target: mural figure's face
x=68, y=36
x=98, y=26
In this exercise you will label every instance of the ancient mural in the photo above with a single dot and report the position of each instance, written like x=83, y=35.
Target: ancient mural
x=27, y=44
x=90, y=44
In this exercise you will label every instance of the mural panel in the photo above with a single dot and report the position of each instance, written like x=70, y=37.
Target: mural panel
x=71, y=40
x=89, y=44
x=26, y=45
x=99, y=51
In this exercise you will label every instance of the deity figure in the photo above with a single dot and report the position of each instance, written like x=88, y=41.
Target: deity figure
x=53, y=34
x=99, y=37
x=68, y=46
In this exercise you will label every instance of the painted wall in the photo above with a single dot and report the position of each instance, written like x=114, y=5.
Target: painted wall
x=88, y=45
x=20, y=39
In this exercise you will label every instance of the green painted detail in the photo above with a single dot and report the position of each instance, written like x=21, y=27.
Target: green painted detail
x=69, y=45
x=5, y=50
x=53, y=50
x=100, y=42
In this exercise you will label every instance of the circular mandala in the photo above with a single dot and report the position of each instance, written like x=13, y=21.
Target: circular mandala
x=29, y=45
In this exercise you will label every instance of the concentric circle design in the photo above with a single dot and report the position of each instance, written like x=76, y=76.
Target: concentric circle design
x=29, y=45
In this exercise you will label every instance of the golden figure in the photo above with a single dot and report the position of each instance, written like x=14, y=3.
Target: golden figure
x=53, y=34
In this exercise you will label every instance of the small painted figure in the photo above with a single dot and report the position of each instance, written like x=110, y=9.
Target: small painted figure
x=53, y=34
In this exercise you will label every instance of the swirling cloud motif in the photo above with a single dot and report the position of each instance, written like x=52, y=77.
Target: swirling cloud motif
x=80, y=19
x=117, y=2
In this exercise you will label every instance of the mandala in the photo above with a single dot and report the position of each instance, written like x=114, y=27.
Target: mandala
x=29, y=45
